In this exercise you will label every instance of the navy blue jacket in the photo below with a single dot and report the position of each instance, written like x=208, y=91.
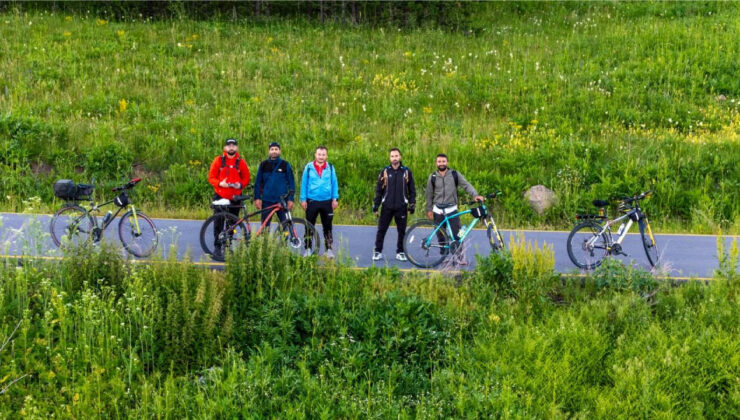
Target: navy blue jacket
x=274, y=178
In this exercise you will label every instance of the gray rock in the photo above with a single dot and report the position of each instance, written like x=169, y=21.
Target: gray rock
x=540, y=198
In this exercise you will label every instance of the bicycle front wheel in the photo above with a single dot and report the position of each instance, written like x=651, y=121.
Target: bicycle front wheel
x=587, y=248
x=225, y=231
x=138, y=234
x=425, y=248
x=648, y=242
x=299, y=236
x=71, y=225
x=494, y=237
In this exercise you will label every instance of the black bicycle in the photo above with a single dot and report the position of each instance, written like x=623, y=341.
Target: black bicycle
x=591, y=240
x=227, y=230
x=74, y=224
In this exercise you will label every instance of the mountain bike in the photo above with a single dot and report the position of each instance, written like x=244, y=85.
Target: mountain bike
x=74, y=224
x=591, y=240
x=427, y=244
x=297, y=234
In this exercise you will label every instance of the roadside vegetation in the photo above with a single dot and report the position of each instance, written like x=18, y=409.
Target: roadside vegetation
x=592, y=101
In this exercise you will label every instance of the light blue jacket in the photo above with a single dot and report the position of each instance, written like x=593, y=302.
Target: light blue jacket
x=319, y=188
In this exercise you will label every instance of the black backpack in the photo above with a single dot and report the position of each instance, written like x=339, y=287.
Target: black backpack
x=236, y=164
x=454, y=176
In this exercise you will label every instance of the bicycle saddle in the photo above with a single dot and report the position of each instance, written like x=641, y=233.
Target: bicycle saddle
x=240, y=198
x=600, y=203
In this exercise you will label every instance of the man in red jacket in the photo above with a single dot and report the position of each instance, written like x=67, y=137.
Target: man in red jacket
x=229, y=174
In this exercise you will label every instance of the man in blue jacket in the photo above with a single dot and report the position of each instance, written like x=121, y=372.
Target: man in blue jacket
x=320, y=195
x=274, y=179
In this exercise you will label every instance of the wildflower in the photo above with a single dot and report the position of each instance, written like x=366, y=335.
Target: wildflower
x=67, y=33
x=427, y=110
x=102, y=22
x=68, y=18
x=122, y=105
x=407, y=54
x=121, y=32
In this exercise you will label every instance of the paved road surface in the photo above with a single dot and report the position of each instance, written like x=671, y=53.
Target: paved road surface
x=681, y=255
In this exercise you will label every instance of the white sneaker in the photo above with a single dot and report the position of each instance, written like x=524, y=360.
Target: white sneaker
x=329, y=254
x=377, y=256
x=307, y=252
x=401, y=256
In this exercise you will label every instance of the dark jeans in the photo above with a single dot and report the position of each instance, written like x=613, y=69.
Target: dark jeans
x=454, y=225
x=218, y=224
x=323, y=209
x=280, y=214
x=384, y=221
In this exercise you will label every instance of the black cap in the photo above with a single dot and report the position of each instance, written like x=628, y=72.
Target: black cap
x=274, y=144
x=230, y=141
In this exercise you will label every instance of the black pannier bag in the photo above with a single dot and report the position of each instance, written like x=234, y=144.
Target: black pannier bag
x=66, y=189
x=478, y=212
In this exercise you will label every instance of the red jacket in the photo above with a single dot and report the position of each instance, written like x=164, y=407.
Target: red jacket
x=219, y=172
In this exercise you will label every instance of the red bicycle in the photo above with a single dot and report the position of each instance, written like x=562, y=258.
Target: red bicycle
x=226, y=230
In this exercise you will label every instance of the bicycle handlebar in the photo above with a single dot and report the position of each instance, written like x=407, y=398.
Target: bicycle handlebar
x=487, y=196
x=128, y=185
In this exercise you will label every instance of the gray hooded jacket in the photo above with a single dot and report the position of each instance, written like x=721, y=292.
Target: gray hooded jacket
x=444, y=189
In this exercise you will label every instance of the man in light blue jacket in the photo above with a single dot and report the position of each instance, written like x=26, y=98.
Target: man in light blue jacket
x=320, y=195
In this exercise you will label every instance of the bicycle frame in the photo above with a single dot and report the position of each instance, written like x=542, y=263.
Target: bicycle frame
x=464, y=230
x=633, y=215
x=96, y=208
x=273, y=209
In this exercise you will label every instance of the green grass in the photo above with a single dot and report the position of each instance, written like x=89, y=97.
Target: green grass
x=276, y=335
x=589, y=100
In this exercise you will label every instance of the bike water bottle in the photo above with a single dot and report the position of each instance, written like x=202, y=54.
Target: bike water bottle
x=107, y=217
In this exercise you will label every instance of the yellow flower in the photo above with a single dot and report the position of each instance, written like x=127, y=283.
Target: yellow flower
x=121, y=32
x=76, y=397
x=494, y=318
x=102, y=22
x=269, y=40
x=67, y=33
x=190, y=102
x=68, y=18
x=427, y=109
x=407, y=54
x=122, y=105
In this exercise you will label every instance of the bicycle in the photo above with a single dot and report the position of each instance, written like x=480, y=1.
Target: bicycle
x=297, y=234
x=74, y=224
x=591, y=241
x=427, y=244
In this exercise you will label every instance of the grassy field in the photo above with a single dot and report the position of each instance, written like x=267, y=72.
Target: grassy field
x=278, y=336
x=591, y=101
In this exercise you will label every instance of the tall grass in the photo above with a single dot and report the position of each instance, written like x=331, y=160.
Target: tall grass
x=279, y=335
x=592, y=101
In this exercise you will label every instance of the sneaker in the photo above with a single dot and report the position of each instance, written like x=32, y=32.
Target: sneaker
x=401, y=256
x=329, y=254
x=377, y=256
x=218, y=254
x=307, y=252
x=460, y=259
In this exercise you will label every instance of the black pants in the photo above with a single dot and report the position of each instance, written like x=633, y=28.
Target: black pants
x=218, y=224
x=280, y=214
x=384, y=221
x=454, y=225
x=323, y=209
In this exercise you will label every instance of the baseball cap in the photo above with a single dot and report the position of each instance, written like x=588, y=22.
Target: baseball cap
x=231, y=141
x=274, y=144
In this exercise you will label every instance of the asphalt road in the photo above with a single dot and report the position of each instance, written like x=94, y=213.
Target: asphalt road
x=682, y=256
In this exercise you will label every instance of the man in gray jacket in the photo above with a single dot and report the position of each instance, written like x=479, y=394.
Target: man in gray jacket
x=441, y=195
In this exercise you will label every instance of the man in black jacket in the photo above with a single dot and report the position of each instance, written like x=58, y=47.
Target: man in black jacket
x=396, y=193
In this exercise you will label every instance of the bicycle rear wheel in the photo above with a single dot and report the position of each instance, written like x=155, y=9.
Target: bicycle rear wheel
x=586, y=247
x=648, y=242
x=299, y=236
x=71, y=225
x=138, y=234
x=424, y=248
x=494, y=236
x=231, y=230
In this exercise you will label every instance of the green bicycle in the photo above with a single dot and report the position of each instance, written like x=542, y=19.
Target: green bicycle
x=74, y=224
x=427, y=244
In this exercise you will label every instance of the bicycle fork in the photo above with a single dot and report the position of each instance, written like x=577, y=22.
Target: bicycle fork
x=137, y=232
